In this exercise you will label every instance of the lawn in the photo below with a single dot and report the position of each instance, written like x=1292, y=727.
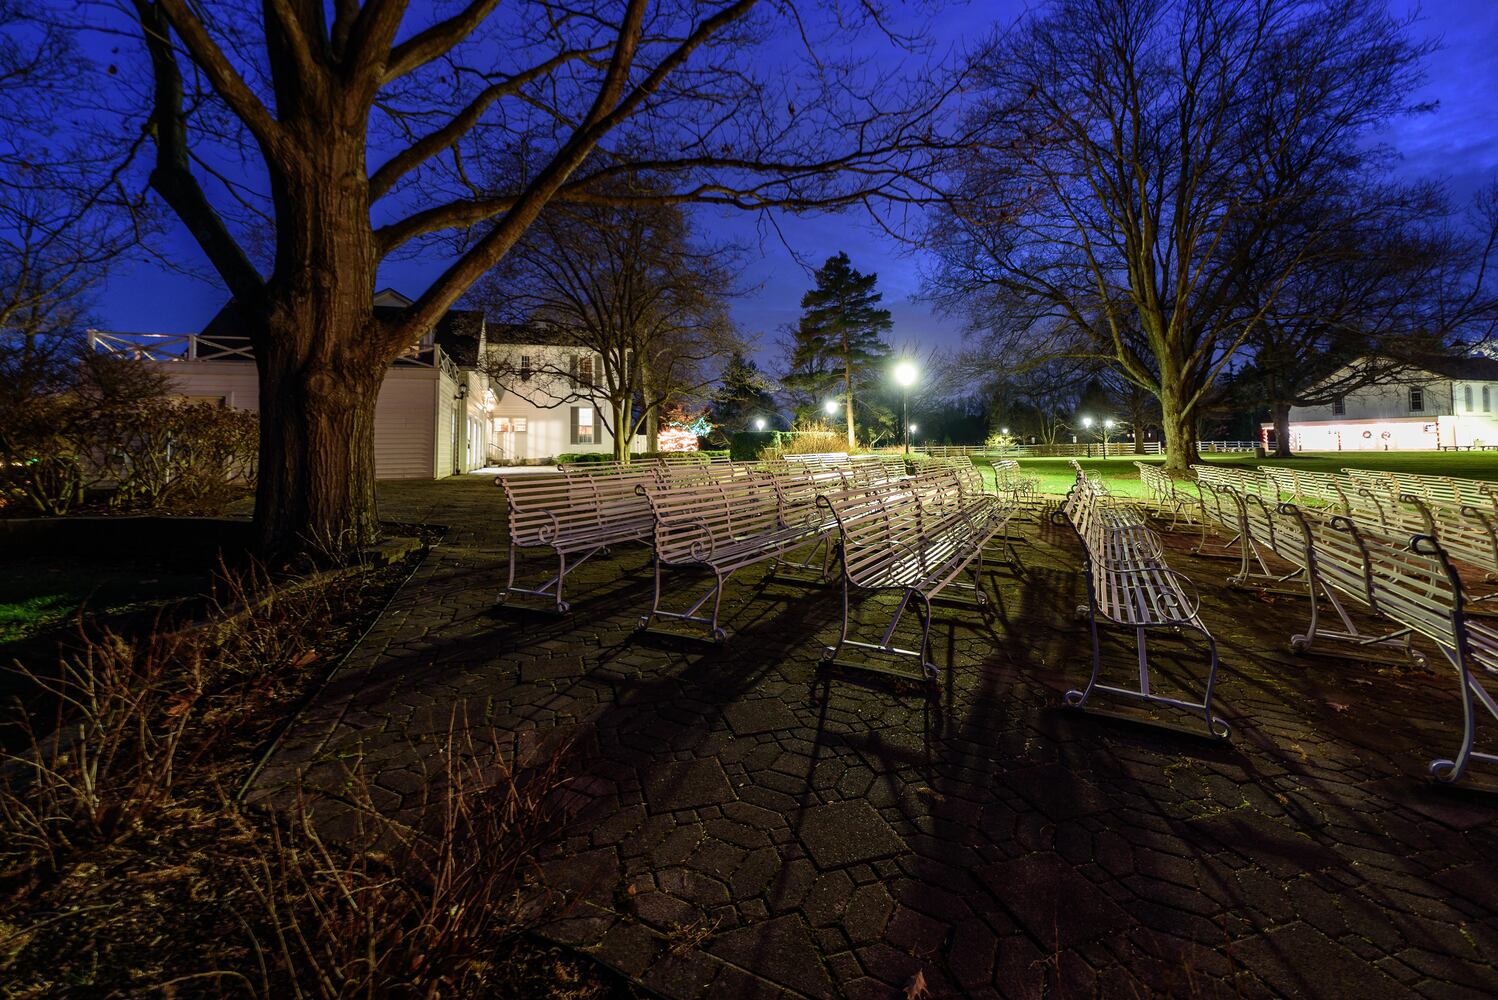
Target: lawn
x=1121, y=475
x=37, y=593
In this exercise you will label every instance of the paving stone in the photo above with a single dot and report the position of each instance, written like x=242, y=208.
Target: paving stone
x=779, y=949
x=845, y=835
x=842, y=833
x=1056, y=905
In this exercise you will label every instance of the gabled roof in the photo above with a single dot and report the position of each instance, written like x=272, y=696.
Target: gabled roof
x=530, y=335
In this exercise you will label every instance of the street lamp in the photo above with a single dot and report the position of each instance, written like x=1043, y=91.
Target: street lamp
x=1107, y=429
x=1087, y=423
x=759, y=423
x=905, y=373
x=830, y=407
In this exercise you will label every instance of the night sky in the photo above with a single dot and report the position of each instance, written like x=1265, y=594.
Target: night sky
x=1458, y=143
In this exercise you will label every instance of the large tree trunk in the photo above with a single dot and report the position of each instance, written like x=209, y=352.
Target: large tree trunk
x=322, y=355
x=1180, y=435
x=315, y=486
x=1139, y=428
x=1281, y=413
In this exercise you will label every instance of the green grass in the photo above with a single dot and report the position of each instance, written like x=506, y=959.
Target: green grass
x=1123, y=478
x=39, y=593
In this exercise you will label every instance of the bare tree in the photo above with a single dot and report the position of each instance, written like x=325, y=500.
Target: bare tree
x=628, y=286
x=265, y=120
x=1136, y=157
x=1401, y=284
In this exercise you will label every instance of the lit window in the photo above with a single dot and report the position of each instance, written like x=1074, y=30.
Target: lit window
x=1339, y=406
x=511, y=425
x=582, y=425
x=1417, y=399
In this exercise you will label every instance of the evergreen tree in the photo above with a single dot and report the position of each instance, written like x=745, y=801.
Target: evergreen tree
x=743, y=393
x=839, y=339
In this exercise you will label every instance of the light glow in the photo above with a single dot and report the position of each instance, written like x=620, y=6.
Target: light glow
x=905, y=374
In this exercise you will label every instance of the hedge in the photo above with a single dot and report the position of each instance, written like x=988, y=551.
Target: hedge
x=747, y=446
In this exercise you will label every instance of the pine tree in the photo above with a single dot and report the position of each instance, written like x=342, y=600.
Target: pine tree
x=743, y=393
x=839, y=339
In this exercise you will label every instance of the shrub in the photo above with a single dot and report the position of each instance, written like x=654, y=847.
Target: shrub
x=748, y=446
x=72, y=419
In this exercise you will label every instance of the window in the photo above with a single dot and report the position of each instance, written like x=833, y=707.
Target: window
x=1467, y=397
x=581, y=370
x=582, y=425
x=1487, y=400
x=511, y=425
x=1417, y=399
x=525, y=368
x=1339, y=406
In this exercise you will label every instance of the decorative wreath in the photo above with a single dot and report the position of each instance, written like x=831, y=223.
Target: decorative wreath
x=1367, y=434
x=1385, y=435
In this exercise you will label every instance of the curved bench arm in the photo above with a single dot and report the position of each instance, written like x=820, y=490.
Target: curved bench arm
x=699, y=552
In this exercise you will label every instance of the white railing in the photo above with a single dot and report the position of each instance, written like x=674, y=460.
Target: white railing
x=197, y=347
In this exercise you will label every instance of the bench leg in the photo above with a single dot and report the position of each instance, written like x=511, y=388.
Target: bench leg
x=715, y=593
x=886, y=641
x=552, y=587
x=1144, y=692
x=1473, y=694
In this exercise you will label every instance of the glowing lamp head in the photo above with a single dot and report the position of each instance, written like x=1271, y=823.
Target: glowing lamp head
x=1003, y=430
x=912, y=428
x=759, y=423
x=905, y=374
x=830, y=407
x=1108, y=423
x=1086, y=421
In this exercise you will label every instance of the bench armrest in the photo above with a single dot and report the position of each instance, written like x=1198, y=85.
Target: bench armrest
x=700, y=552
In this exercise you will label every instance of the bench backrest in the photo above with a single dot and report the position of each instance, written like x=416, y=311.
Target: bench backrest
x=895, y=523
x=692, y=519
x=548, y=508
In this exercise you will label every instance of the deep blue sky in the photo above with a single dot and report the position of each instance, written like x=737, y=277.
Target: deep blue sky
x=1458, y=142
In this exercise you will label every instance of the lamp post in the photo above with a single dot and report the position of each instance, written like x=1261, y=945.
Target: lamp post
x=905, y=375
x=1087, y=423
x=1107, y=428
x=830, y=407
x=759, y=423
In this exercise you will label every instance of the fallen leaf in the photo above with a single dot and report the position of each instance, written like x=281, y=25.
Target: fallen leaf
x=1337, y=706
x=916, y=988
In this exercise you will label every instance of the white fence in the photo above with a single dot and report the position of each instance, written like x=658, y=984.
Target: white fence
x=1115, y=449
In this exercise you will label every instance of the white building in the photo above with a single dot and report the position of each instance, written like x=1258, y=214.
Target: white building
x=437, y=414
x=429, y=417
x=1446, y=403
x=539, y=399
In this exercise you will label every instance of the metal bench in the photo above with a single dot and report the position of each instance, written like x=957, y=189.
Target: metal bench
x=577, y=513
x=1420, y=589
x=1130, y=586
x=722, y=527
x=917, y=536
x=1169, y=497
x=1012, y=484
x=1309, y=490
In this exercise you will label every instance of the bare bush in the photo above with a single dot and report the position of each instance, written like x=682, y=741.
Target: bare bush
x=416, y=905
x=105, y=759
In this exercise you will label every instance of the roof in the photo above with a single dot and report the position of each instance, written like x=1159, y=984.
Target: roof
x=460, y=332
x=1462, y=369
x=530, y=335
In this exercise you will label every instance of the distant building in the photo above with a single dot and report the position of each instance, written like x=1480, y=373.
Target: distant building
x=438, y=412
x=540, y=402
x=1444, y=403
x=429, y=417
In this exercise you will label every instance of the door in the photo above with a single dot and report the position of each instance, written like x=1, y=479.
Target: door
x=510, y=435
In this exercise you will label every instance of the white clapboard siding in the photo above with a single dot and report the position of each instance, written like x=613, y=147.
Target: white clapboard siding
x=406, y=426
x=405, y=415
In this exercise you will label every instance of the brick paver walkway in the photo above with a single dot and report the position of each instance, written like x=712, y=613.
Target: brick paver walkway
x=754, y=831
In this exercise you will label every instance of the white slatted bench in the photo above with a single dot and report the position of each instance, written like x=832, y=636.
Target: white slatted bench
x=1167, y=495
x=722, y=527
x=1012, y=485
x=919, y=537
x=577, y=513
x=1130, y=586
x=1308, y=490
x=1420, y=589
